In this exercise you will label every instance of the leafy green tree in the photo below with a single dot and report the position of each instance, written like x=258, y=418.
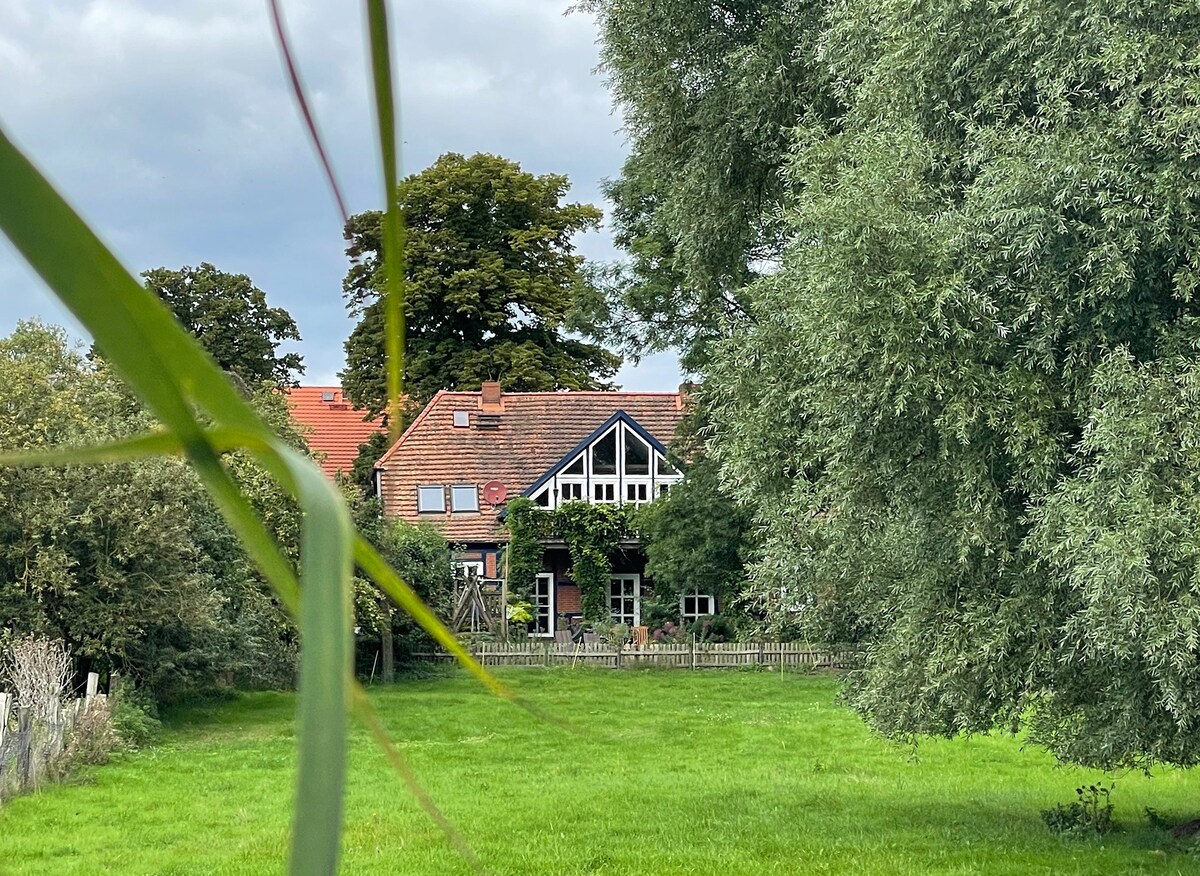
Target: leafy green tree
x=421, y=556
x=492, y=278
x=709, y=95
x=694, y=538
x=129, y=563
x=230, y=317
x=962, y=409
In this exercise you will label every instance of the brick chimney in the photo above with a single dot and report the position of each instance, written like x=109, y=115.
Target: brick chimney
x=489, y=396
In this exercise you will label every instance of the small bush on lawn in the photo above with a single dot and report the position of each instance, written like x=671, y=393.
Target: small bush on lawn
x=134, y=715
x=1090, y=815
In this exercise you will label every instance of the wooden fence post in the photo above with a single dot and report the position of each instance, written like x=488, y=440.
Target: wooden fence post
x=5, y=708
x=693, y=650
x=24, y=746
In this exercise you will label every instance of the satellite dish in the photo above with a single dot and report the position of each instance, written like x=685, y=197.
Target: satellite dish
x=494, y=493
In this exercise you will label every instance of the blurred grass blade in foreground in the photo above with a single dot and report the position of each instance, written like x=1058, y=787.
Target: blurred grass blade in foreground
x=180, y=384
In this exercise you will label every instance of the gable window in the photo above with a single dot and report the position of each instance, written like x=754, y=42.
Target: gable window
x=431, y=499
x=575, y=468
x=604, y=455
x=542, y=499
x=665, y=468
x=464, y=497
x=637, y=454
x=696, y=605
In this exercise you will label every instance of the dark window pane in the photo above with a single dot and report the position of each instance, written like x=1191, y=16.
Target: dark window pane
x=575, y=468
x=637, y=455
x=604, y=455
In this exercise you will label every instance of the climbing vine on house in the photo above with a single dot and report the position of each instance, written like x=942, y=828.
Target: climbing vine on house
x=592, y=534
x=526, y=524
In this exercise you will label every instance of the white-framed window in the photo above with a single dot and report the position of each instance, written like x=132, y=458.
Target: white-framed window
x=464, y=497
x=625, y=599
x=604, y=453
x=696, y=605
x=542, y=498
x=636, y=454
x=431, y=498
x=637, y=493
x=468, y=570
x=570, y=491
x=462, y=419
x=543, y=605
x=604, y=492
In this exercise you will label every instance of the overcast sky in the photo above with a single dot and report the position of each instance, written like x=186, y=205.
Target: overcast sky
x=171, y=128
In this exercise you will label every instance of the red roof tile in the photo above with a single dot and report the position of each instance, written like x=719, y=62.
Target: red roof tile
x=336, y=427
x=535, y=431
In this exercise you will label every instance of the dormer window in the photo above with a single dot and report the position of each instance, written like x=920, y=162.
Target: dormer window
x=431, y=499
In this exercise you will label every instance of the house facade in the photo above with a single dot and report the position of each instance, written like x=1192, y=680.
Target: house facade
x=469, y=453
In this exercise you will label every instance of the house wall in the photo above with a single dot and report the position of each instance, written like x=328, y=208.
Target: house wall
x=566, y=593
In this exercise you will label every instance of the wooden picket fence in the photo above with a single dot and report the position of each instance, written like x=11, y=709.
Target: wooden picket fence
x=29, y=746
x=691, y=655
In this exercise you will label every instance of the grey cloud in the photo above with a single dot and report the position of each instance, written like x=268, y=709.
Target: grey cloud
x=171, y=128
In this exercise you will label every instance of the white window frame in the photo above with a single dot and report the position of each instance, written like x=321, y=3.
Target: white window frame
x=464, y=568
x=691, y=617
x=623, y=579
x=421, y=509
x=543, y=605
x=474, y=488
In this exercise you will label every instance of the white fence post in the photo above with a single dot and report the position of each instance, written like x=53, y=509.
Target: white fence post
x=93, y=685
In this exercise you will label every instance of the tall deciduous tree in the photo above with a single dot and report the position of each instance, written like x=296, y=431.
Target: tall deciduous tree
x=709, y=94
x=963, y=409
x=230, y=317
x=492, y=278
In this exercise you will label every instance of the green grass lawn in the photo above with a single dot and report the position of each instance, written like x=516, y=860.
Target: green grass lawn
x=667, y=772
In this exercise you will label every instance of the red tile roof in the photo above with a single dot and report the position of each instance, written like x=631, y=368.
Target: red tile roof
x=535, y=431
x=336, y=427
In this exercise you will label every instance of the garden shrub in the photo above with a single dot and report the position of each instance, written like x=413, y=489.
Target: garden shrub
x=1089, y=816
x=134, y=714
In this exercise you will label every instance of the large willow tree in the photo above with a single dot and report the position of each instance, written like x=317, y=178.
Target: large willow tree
x=964, y=408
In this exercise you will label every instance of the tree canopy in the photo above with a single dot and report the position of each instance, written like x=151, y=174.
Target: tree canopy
x=492, y=279
x=230, y=317
x=709, y=95
x=962, y=407
x=129, y=563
